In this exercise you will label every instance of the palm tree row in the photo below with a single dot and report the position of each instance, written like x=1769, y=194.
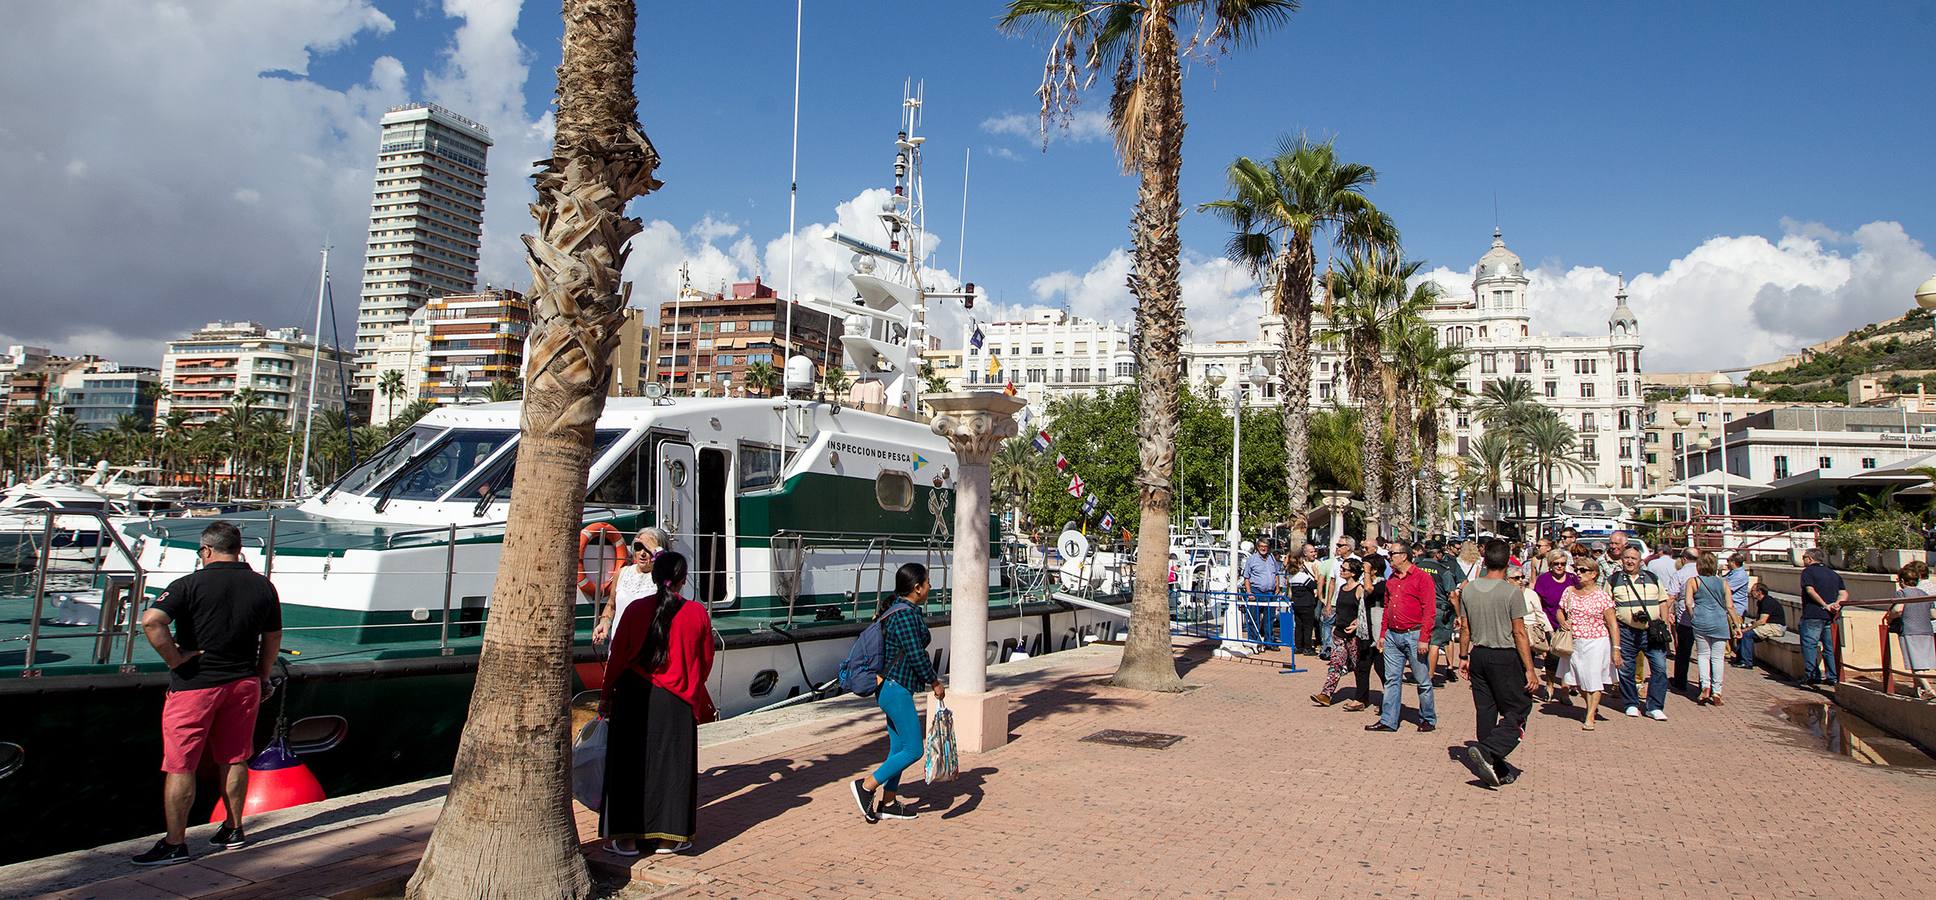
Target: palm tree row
x=1523, y=445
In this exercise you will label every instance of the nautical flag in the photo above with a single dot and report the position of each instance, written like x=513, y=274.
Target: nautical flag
x=919, y=461
x=974, y=340
x=1024, y=417
x=1108, y=522
x=1088, y=505
x=1041, y=441
x=1010, y=390
x=994, y=366
x=1061, y=463
x=1127, y=536
x=1075, y=485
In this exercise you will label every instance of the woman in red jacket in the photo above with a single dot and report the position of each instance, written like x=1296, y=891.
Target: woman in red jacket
x=655, y=698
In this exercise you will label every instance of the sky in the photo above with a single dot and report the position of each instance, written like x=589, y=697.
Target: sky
x=1758, y=171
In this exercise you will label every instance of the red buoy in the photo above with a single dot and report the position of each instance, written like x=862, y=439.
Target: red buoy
x=277, y=780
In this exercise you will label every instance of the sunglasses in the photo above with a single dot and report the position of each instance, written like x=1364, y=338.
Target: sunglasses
x=638, y=547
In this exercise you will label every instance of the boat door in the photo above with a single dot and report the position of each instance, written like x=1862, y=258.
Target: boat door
x=677, y=493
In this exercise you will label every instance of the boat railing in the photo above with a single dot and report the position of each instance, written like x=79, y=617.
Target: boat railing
x=121, y=590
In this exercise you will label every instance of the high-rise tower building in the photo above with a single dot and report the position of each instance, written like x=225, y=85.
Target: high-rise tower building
x=426, y=216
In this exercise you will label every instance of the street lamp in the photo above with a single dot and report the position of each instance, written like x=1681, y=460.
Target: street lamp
x=1683, y=418
x=1216, y=376
x=1718, y=384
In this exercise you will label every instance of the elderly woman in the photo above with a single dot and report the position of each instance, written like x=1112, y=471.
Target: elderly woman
x=1911, y=623
x=1551, y=585
x=1586, y=610
x=634, y=581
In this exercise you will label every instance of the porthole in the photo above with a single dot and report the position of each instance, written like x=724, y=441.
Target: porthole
x=763, y=683
x=894, y=491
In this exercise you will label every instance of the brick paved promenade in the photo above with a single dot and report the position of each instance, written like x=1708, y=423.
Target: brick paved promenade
x=1266, y=795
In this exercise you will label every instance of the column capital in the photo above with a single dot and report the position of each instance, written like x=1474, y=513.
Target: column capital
x=974, y=422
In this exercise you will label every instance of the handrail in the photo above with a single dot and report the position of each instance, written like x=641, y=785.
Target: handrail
x=28, y=668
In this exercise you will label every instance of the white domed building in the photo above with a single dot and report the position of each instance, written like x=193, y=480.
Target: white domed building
x=1591, y=380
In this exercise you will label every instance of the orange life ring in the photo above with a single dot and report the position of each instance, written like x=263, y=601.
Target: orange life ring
x=590, y=580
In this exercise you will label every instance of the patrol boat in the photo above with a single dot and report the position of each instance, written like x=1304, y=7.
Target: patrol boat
x=794, y=510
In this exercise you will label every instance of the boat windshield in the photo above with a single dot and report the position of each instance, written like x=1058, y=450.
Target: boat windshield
x=458, y=454
x=494, y=483
x=394, y=454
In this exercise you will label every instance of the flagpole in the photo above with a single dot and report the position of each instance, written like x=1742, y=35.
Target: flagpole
x=315, y=363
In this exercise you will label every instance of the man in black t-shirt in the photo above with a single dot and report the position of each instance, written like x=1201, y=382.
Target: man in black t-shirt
x=1822, y=596
x=1770, y=622
x=227, y=629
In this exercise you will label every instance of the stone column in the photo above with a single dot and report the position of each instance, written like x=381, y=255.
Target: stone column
x=1337, y=502
x=975, y=424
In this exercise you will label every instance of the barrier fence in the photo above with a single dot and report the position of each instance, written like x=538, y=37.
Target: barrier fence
x=1241, y=623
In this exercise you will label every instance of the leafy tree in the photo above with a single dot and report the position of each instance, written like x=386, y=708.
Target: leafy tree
x=390, y=384
x=762, y=377
x=502, y=390
x=836, y=382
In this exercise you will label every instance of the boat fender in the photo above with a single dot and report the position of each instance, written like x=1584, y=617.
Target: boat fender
x=593, y=544
x=277, y=780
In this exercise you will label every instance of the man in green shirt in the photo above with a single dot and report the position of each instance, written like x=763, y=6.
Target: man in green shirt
x=1446, y=578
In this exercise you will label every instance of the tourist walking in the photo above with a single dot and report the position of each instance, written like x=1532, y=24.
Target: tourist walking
x=1769, y=624
x=1911, y=623
x=1738, y=578
x=1261, y=576
x=1442, y=632
x=1351, y=644
x=655, y=697
x=1714, y=622
x=1410, y=601
x=218, y=630
x=907, y=670
x=1684, y=640
x=1302, y=586
x=1823, y=594
x=1642, y=611
x=1586, y=611
x=1498, y=664
x=1551, y=585
x=634, y=581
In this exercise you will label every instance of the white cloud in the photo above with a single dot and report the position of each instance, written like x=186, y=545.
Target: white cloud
x=76, y=168
x=1220, y=299
x=1736, y=300
x=1082, y=127
x=1003, y=153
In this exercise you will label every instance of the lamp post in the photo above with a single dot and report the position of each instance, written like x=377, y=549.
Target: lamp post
x=1719, y=383
x=1683, y=418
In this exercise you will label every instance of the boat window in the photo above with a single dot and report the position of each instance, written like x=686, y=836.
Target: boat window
x=495, y=481
x=759, y=466
x=457, y=455
x=371, y=471
x=629, y=482
x=894, y=491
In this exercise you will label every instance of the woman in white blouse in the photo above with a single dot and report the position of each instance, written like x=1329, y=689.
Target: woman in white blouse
x=634, y=581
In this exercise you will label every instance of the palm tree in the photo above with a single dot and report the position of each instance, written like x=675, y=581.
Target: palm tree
x=130, y=437
x=1486, y=464
x=1437, y=378
x=1276, y=211
x=1134, y=42
x=836, y=382
x=1337, y=449
x=1015, y=476
x=762, y=377
x=1551, y=447
x=408, y=416
x=171, y=442
x=390, y=385
x=1409, y=342
x=1369, y=300
x=931, y=380
x=1507, y=405
x=501, y=390
x=506, y=829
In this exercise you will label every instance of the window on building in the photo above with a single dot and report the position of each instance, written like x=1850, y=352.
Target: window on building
x=1035, y=349
x=1552, y=389
x=1486, y=364
x=1626, y=478
x=1626, y=420
x=1586, y=389
x=1679, y=439
x=1589, y=449
x=1125, y=370
x=1522, y=363
x=1701, y=418
x=1056, y=376
x=1625, y=388
x=1727, y=417
x=1826, y=463
x=1548, y=364
x=1653, y=437
x=1781, y=467
x=1868, y=462
x=1324, y=391
x=1464, y=443
x=1482, y=332
x=1626, y=448
x=1463, y=420
x=1038, y=376
x=1653, y=458
x=1586, y=422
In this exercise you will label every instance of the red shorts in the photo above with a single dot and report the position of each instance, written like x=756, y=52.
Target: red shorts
x=220, y=720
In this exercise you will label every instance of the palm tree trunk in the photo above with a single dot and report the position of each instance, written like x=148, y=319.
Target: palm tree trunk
x=1148, y=663
x=1405, y=436
x=1428, y=450
x=1371, y=424
x=1293, y=302
x=507, y=828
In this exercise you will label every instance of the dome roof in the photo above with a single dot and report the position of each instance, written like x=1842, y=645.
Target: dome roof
x=1623, y=315
x=1499, y=262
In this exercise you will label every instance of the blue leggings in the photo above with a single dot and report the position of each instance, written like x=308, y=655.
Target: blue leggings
x=903, y=734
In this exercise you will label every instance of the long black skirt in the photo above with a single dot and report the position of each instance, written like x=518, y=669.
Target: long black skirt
x=651, y=764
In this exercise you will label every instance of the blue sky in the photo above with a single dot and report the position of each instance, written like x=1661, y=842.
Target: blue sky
x=1652, y=140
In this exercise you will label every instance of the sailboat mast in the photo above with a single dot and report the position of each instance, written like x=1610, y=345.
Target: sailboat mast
x=315, y=365
x=793, y=183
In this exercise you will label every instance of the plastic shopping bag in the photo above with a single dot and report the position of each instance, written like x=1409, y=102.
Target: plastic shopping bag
x=588, y=764
x=940, y=759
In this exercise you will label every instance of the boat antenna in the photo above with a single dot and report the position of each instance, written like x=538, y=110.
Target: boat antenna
x=342, y=378
x=961, y=240
x=315, y=363
x=793, y=183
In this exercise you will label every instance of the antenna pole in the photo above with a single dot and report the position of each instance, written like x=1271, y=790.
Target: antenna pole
x=793, y=185
x=961, y=241
x=315, y=363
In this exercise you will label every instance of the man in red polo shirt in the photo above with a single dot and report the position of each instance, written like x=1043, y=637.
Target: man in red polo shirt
x=1411, y=603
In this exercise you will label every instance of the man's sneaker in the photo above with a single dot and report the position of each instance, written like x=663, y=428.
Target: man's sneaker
x=228, y=838
x=1508, y=773
x=163, y=854
x=864, y=799
x=1658, y=715
x=1380, y=726
x=896, y=810
x=1476, y=761
x=1633, y=712
x=1427, y=728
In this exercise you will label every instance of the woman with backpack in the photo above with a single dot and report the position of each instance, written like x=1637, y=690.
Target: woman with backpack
x=655, y=698
x=905, y=670
x=1707, y=595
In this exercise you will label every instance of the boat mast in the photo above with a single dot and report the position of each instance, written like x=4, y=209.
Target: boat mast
x=315, y=364
x=793, y=184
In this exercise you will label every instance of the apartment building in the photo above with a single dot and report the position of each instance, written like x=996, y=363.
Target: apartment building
x=204, y=372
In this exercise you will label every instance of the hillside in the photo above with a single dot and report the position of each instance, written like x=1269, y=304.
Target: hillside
x=1901, y=350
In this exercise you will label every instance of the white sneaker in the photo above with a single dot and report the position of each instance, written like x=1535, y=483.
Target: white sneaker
x=1633, y=712
x=1659, y=715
